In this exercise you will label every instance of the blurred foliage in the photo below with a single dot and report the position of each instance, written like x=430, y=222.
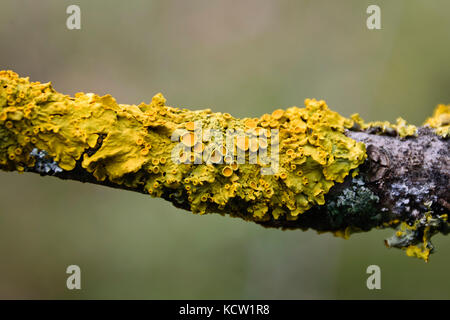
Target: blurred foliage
x=242, y=57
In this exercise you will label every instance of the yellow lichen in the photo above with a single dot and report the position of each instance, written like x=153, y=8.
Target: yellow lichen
x=188, y=139
x=277, y=114
x=242, y=143
x=406, y=235
x=346, y=233
x=420, y=252
x=440, y=120
x=227, y=171
x=190, y=126
x=402, y=128
x=132, y=145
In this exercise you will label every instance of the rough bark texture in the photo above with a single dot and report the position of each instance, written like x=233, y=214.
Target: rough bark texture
x=407, y=174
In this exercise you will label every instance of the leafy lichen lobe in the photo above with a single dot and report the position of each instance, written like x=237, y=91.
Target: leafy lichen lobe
x=400, y=127
x=440, y=120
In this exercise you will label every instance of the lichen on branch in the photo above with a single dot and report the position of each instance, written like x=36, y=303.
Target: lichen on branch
x=132, y=145
x=199, y=160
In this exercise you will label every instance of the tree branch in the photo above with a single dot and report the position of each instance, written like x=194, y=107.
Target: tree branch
x=298, y=168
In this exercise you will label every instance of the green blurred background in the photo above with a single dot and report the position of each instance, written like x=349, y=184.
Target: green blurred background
x=244, y=57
